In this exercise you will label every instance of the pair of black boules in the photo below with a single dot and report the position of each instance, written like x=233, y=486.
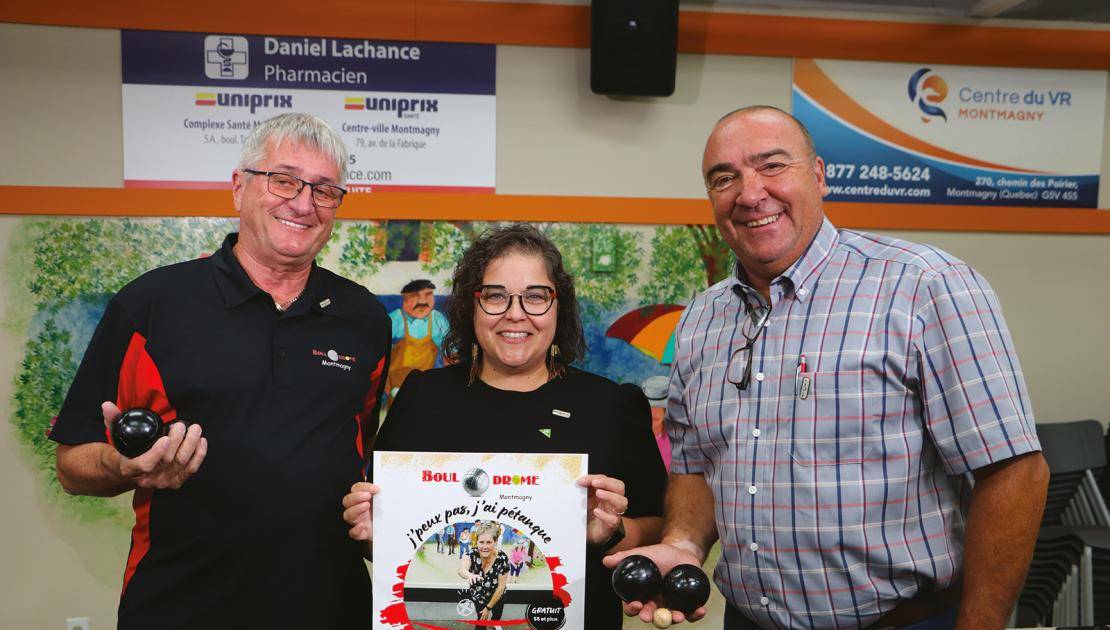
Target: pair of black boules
x=685, y=587
x=136, y=430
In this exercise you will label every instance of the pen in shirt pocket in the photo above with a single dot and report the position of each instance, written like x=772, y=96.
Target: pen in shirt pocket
x=801, y=379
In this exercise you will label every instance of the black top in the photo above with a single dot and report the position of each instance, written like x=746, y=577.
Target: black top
x=437, y=411
x=256, y=538
x=482, y=591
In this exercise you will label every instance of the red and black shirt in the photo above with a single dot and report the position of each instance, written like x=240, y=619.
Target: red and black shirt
x=288, y=402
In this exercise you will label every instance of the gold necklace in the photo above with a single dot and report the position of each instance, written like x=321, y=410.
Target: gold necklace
x=281, y=306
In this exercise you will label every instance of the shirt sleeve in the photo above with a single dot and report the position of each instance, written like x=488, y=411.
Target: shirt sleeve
x=395, y=430
x=686, y=454
x=80, y=420
x=397, y=323
x=370, y=415
x=439, y=328
x=641, y=466
x=976, y=404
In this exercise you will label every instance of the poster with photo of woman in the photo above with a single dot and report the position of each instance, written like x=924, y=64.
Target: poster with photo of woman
x=524, y=520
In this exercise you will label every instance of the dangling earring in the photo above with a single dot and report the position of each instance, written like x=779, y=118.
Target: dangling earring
x=555, y=367
x=474, y=363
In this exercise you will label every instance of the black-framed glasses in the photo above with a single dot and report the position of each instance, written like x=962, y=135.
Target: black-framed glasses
x=496, y=299
x=289, y=186
x=739, y=370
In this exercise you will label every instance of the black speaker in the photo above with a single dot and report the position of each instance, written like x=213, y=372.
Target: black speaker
x=633, y=47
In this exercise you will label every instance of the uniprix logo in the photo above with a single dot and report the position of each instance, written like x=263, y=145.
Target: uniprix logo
x=405, y=107
x=252, y=101
x=331, y=358
x=925, y=89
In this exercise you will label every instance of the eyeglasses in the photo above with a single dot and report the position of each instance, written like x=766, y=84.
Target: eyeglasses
x=496, y=299
x=739, y=371
x=289, y=186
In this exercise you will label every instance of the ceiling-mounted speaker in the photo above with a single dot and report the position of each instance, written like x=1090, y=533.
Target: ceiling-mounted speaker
x=633, y=47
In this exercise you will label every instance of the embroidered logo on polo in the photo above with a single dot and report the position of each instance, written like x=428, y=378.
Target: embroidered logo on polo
x=331, y=358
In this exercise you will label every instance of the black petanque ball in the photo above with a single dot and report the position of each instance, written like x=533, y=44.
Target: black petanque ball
x=134, y=431
x=686, y=588
x=636, y=579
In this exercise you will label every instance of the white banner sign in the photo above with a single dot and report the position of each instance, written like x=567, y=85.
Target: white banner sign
x=414, y=115
x=954, y=134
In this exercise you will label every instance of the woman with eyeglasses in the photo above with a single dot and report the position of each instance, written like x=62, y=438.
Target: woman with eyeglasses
x=515, y=330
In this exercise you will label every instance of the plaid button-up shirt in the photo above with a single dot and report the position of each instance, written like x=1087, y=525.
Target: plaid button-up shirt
x=838, y=488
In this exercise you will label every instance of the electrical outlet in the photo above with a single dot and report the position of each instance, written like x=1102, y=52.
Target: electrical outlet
x=77, y=623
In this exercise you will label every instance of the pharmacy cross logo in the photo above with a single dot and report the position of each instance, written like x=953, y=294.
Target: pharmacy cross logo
x=925, y=89
x=226, y=57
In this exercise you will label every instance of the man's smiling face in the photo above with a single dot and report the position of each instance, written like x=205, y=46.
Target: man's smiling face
x=284, y=233
x=766, y=188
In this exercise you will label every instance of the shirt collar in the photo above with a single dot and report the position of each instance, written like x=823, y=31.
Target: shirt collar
x=232, y=280
x=804, y=272
x=236, y=287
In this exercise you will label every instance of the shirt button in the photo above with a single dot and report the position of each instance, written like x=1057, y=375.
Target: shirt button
x=759, y=376
x=754, y=547
x=281, y=353
x=756, y=432
x=764, y=601
x=803, y=291
x=751, y=489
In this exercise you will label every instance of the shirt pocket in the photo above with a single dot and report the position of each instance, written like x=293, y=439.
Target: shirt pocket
x=836, y=419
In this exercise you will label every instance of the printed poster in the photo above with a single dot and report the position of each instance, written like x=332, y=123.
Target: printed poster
x=416, y=116
x=439, y=513
x=933, y=134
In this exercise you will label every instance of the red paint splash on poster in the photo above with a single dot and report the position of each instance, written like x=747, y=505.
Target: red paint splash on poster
x=558, y=580
x=395, y=614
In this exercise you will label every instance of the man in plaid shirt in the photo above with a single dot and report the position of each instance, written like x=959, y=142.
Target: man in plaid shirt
x=828, y=406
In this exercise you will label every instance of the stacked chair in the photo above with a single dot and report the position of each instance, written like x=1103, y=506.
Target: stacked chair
x=1069, y=578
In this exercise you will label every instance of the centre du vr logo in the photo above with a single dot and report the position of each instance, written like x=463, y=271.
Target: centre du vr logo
x=226, y=57
x=927, y=88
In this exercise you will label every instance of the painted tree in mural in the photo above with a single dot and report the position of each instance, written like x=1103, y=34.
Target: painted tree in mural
x=685, y=260
x=80, y=257
x=63, y=271
x=361, y=249
x=447, y=242
x=603, y=259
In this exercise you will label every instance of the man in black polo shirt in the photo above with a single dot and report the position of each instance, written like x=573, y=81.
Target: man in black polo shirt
x=278, y=363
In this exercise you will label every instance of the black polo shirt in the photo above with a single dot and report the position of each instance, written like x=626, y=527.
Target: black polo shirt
x=287, y=401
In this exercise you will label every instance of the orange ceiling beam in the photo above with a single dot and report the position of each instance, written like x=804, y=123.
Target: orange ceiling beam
x=529, y=24
x=148, y=202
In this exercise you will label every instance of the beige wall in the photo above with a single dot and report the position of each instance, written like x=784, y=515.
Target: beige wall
x=60, y=124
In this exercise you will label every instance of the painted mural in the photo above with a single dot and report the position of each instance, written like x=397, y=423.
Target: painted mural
x=632, y=281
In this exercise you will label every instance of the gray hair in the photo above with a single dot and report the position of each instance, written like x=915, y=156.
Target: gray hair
x=485, y=527
x=303, y=129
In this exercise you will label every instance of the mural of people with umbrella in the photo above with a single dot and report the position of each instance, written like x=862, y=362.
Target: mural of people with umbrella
x=650, y=329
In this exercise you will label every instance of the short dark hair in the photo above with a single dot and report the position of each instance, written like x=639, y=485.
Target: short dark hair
x=493, y=244
x=418, y=285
